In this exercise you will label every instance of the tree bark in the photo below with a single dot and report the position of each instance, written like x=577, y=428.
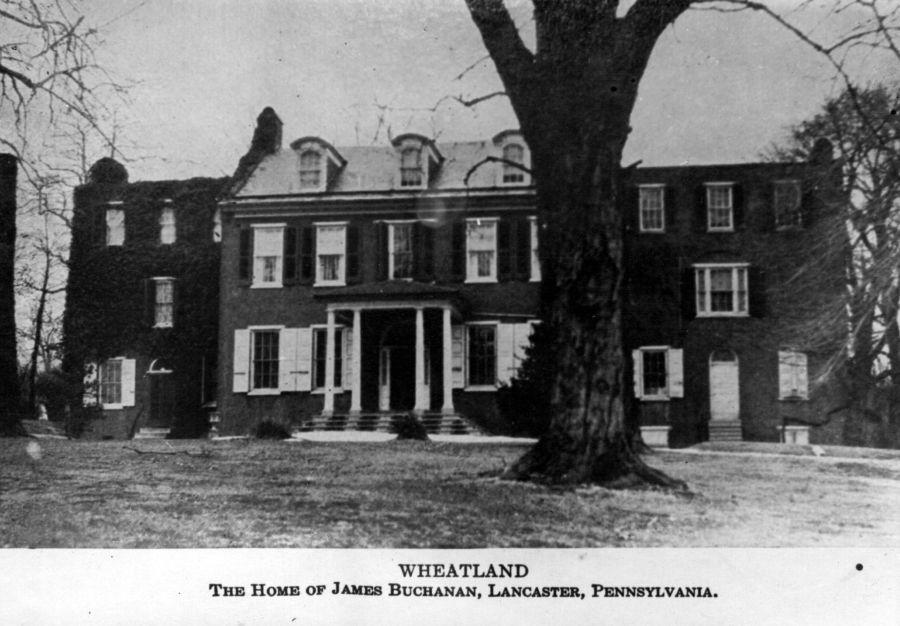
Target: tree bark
x=9, y=370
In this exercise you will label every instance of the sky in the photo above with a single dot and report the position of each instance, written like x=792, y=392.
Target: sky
x=719, y=88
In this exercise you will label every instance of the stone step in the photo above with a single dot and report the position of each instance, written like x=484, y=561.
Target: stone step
x=434, y=423
x=151, y=433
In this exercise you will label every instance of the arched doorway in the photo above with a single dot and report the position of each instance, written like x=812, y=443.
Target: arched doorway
x=162, y=395
x=724, y=386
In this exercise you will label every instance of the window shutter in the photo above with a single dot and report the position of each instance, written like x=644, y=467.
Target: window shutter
x=245, y=254
x=523, y=249
x=675, y=373
x=457, y=356
x=670, y=203
x=307, y=247
x=149, y=302
x=756, y=289
x=458, y=236
x=291, y=258
x=347, y=360
x=522, y=342
x=352, y=253
x=288, y=373
x=128, y=382
x=427, y=252
x=241, y=361
x=631, y=198
x=89, y=395
x=701, y=219
x=381, y=259
x=504, y=249
x=99, y=226
x=304, y=359
x=737, y=204
x=506, y=363
x=638, y=373
x=688, y=294
x=793, y=377
x=176, y=303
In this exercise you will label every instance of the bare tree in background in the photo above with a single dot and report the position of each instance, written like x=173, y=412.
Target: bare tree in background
x=573, y=95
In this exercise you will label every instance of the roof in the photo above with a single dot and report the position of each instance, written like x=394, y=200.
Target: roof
x=388, y=289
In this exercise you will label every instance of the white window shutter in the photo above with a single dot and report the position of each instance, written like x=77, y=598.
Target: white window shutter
x=522, y=342
x=457, y=356
x=287, y=359
x=304, y=359
x=506, y=365
x=638, y=368
x=802, y=376
x=90, y=396
x=347, y=361
x=241, y=362
x=675, y=373
x=128, y=381
x=793, y=378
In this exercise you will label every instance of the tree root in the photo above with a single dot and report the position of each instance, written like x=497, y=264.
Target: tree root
x=202, y=454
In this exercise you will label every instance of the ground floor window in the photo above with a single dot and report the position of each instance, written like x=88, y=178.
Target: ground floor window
x=265, y=359
x=654, y=366
x=658, y=373
x=482, y=355
x=320, y=338
x=111, y=382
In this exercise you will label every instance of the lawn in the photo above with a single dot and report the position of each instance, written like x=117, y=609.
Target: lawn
x=422, y=495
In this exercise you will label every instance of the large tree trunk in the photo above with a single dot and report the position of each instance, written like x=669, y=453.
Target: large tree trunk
x=9, y=374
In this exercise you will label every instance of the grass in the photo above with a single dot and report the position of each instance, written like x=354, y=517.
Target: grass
x=252, y=493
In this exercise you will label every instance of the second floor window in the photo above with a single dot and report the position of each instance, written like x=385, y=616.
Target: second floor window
x=310, y=170
x=535, y=259
x=512, y=175
x=481, y=250
x=721, y=290
x=401, y=250
x=268, y=250
x=330, y=254
x=115, y=227
x=411, y=168
x=264, y=363
x=482, y=355
x=164, y=303
x=217, y=226
x=652, y=208
x=167, y=226
x=719, y=207
x=787, y=203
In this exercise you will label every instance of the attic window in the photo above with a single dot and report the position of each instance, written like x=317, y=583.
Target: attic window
x=512, y=175
x=411, y=167
x=310, y=170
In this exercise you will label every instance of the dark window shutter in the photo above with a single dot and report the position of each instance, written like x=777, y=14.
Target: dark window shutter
x=737, y=203
x=523, y=249
x=291, y=257
x=381, y=258
x=352, y=253
x=99, y=226
x=763, y=216
x=670, y=207
x=245, y=254
x=149, y=301
x=700, y=217
x=688, y=294
x=504, y=249
x=756, y=277
x=631, y=208
x=177, y=308
x=458, y=236
x=307, y=254
x=808, y=206
x=426, y=250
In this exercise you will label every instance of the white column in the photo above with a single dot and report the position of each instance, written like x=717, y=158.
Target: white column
x=356, y=364
x=421, y=391
x=328, y=409
x=447, y=354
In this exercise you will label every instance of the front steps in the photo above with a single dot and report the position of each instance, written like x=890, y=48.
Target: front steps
x=151, y=433
x=725, y=430
x=434, y=423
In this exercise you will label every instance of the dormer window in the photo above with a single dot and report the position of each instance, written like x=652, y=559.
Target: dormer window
x=411, y=167
x=310, y=169
x=512, y=175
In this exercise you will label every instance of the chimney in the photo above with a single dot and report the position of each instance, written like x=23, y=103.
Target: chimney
x=266, y=140
x=9, y=375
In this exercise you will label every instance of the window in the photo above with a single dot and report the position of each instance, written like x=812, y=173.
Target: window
x=652, y=208
x=481, y=250
x=268, y=249
x=787, y=203
x=264, y=364
x=793, y=380
x=400, y=243
x=482, y=355
x=535, y=259
x=164, y=303
x=411, y=174
x=111, y=382
x=721, y=290
x=310, y=170
x=512, y=175
x=330, y=252
x=217, y=226
x=320, y=337
x=115, y=227
x=719, y=206
x=167, y=226
x=658, y=373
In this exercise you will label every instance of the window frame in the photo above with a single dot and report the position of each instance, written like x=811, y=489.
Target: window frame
x=319, y=170
x=257, y=271
x=252, y=389
x=167, y=224
x=339, y=341
x=708, y=187
x=157, y=281
x=412, y=249
x=421, y=167
x=740, y=272
x=342, y=273
x=469, y=386
x=511, y=176
x=472, y=277
x=102, y=367
x=661, y=188
x=535, y=269
x=665, y=392
x=120, y=240
x=795, y=184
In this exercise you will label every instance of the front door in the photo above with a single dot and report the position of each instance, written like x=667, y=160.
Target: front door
x=162, y=401
x=402, y=370
x=724, y=389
